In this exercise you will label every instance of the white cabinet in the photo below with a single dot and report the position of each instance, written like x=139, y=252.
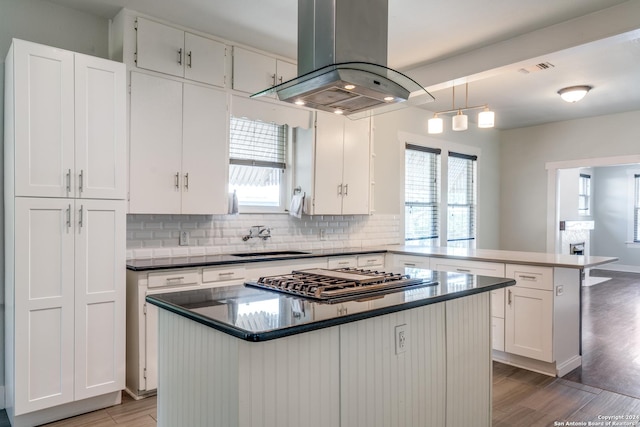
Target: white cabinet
x=64, y=253
x=409, y=261
x=342, y=262
x=493, y=269
x=529, y=312
x=71, y=130
x=342, y=159
x=178, y=148
x=254, y=72
x=172, y=51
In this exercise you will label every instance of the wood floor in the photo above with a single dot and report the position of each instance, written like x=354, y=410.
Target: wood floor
x=608, y=383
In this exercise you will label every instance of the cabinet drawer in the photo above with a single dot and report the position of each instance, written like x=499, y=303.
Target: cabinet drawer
x=531, y=276
x=342, y=262
x=411, y=261
x=174, y=278
x=493, y=269
x=374, y=260
x=222, y=274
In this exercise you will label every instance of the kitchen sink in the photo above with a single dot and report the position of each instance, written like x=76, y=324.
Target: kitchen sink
x=273, y=253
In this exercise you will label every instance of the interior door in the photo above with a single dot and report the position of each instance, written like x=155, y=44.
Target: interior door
x=155, y=146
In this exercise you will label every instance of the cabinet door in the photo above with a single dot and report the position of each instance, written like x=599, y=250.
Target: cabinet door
x=355, y=177
x=328, y=164
x=44, y=303
x=151, y=348
x=155, y=145
x=252, y=71
x=286, y=71
x=160, y=48
x=44, y=129
x=204, y=60
x=100, y=139
x=99, y=297
x=205, y=165
x=529, y=322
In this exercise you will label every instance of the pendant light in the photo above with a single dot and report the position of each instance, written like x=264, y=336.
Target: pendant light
x=460, y=122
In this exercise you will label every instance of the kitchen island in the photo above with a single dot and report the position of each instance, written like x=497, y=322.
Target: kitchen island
x=239, y=356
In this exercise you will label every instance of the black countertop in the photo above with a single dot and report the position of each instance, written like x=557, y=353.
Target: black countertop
x=225, y=259
x=259, y=315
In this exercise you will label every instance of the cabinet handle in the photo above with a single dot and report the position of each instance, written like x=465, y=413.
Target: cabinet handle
x=81, y=180
x=509, y=296
x=69, y=217
x=189, y=59
x=527, y=277
x=409, y=264
x=273, y=77
x=80, y=220
x=343, y=263
x=180, y=56
x=346, y=189
x=463, y=270
x=340, y=190
x=280, y=79
x=186, y=181
x=226, y=274
x=68, y=182
x=177, y=177
x=171, y=279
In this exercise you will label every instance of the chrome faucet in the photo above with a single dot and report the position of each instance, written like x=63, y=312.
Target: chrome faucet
x=259, y=231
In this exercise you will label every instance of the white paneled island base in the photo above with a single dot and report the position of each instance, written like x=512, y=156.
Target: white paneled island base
x=345, y=375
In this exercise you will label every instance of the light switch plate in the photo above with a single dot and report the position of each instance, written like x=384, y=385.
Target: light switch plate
x=402, y=338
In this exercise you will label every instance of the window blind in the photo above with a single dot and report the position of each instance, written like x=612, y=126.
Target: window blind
x=422, y=170
x=254, y=143
x=461, y=221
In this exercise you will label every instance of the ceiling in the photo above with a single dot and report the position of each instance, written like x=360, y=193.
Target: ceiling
x=494, y=46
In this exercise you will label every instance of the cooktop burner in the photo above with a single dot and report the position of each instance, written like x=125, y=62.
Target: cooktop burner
x=338, y=285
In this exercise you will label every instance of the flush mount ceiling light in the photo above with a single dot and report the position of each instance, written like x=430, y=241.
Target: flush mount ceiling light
x=459, y=122
x=574, y=93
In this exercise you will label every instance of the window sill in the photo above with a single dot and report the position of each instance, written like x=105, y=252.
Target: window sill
x=633, y=244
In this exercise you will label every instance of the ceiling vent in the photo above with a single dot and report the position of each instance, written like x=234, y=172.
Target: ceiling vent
x=536, y=67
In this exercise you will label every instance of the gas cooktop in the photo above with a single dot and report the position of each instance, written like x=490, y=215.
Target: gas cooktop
x=339, y=285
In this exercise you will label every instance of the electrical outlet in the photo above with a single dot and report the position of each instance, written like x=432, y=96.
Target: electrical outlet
x=559, y=290
x=184, y=238
x=323, y=234
x=402, y=338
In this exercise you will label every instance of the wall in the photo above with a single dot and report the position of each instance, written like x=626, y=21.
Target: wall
x=157, y=235
x=391, y=130
x=523, y=155
x=47, y=23
x=612, y=208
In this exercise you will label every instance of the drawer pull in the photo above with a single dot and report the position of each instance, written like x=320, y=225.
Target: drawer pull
x=343, y=263
x=409, y=264
x=509, y=296
x=463, y=270
x=171, y=279
x=231, y=273
x=528, y=277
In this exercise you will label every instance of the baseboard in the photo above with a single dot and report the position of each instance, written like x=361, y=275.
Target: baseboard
x=618, y=267
x=525, y=363
x=136, y=396
x=568, y=366
x=3, y=402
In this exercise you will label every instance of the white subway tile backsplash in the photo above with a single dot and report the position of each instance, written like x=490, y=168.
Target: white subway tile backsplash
x=157, y=235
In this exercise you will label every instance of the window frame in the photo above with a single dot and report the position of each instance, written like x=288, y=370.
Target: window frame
x=586, y=195
x=471, y=200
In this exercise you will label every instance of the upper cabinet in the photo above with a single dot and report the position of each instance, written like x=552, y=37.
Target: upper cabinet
x=337, y=177
x=172, y=51
x=254, y=72
x=70, y=126
x=178, y=147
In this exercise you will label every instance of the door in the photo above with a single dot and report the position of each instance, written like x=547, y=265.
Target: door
x=529, y=323
x=160, y=48
x=205, y=60
x=44, y=120
x=356, y=178
x=205, y=166
x=328, y=164
x=100, y=136
x=155, y=145
x=44, y=303
x=100, y=232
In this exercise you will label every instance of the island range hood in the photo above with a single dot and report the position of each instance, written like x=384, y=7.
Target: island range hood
x=342, y=58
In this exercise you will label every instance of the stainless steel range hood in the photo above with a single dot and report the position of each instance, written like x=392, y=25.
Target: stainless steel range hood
x=342, y=58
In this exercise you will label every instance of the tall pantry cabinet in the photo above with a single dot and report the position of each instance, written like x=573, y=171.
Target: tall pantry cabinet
x=65, y=185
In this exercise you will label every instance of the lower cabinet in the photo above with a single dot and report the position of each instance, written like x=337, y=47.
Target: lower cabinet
x=529, y=323
x=65, y=302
